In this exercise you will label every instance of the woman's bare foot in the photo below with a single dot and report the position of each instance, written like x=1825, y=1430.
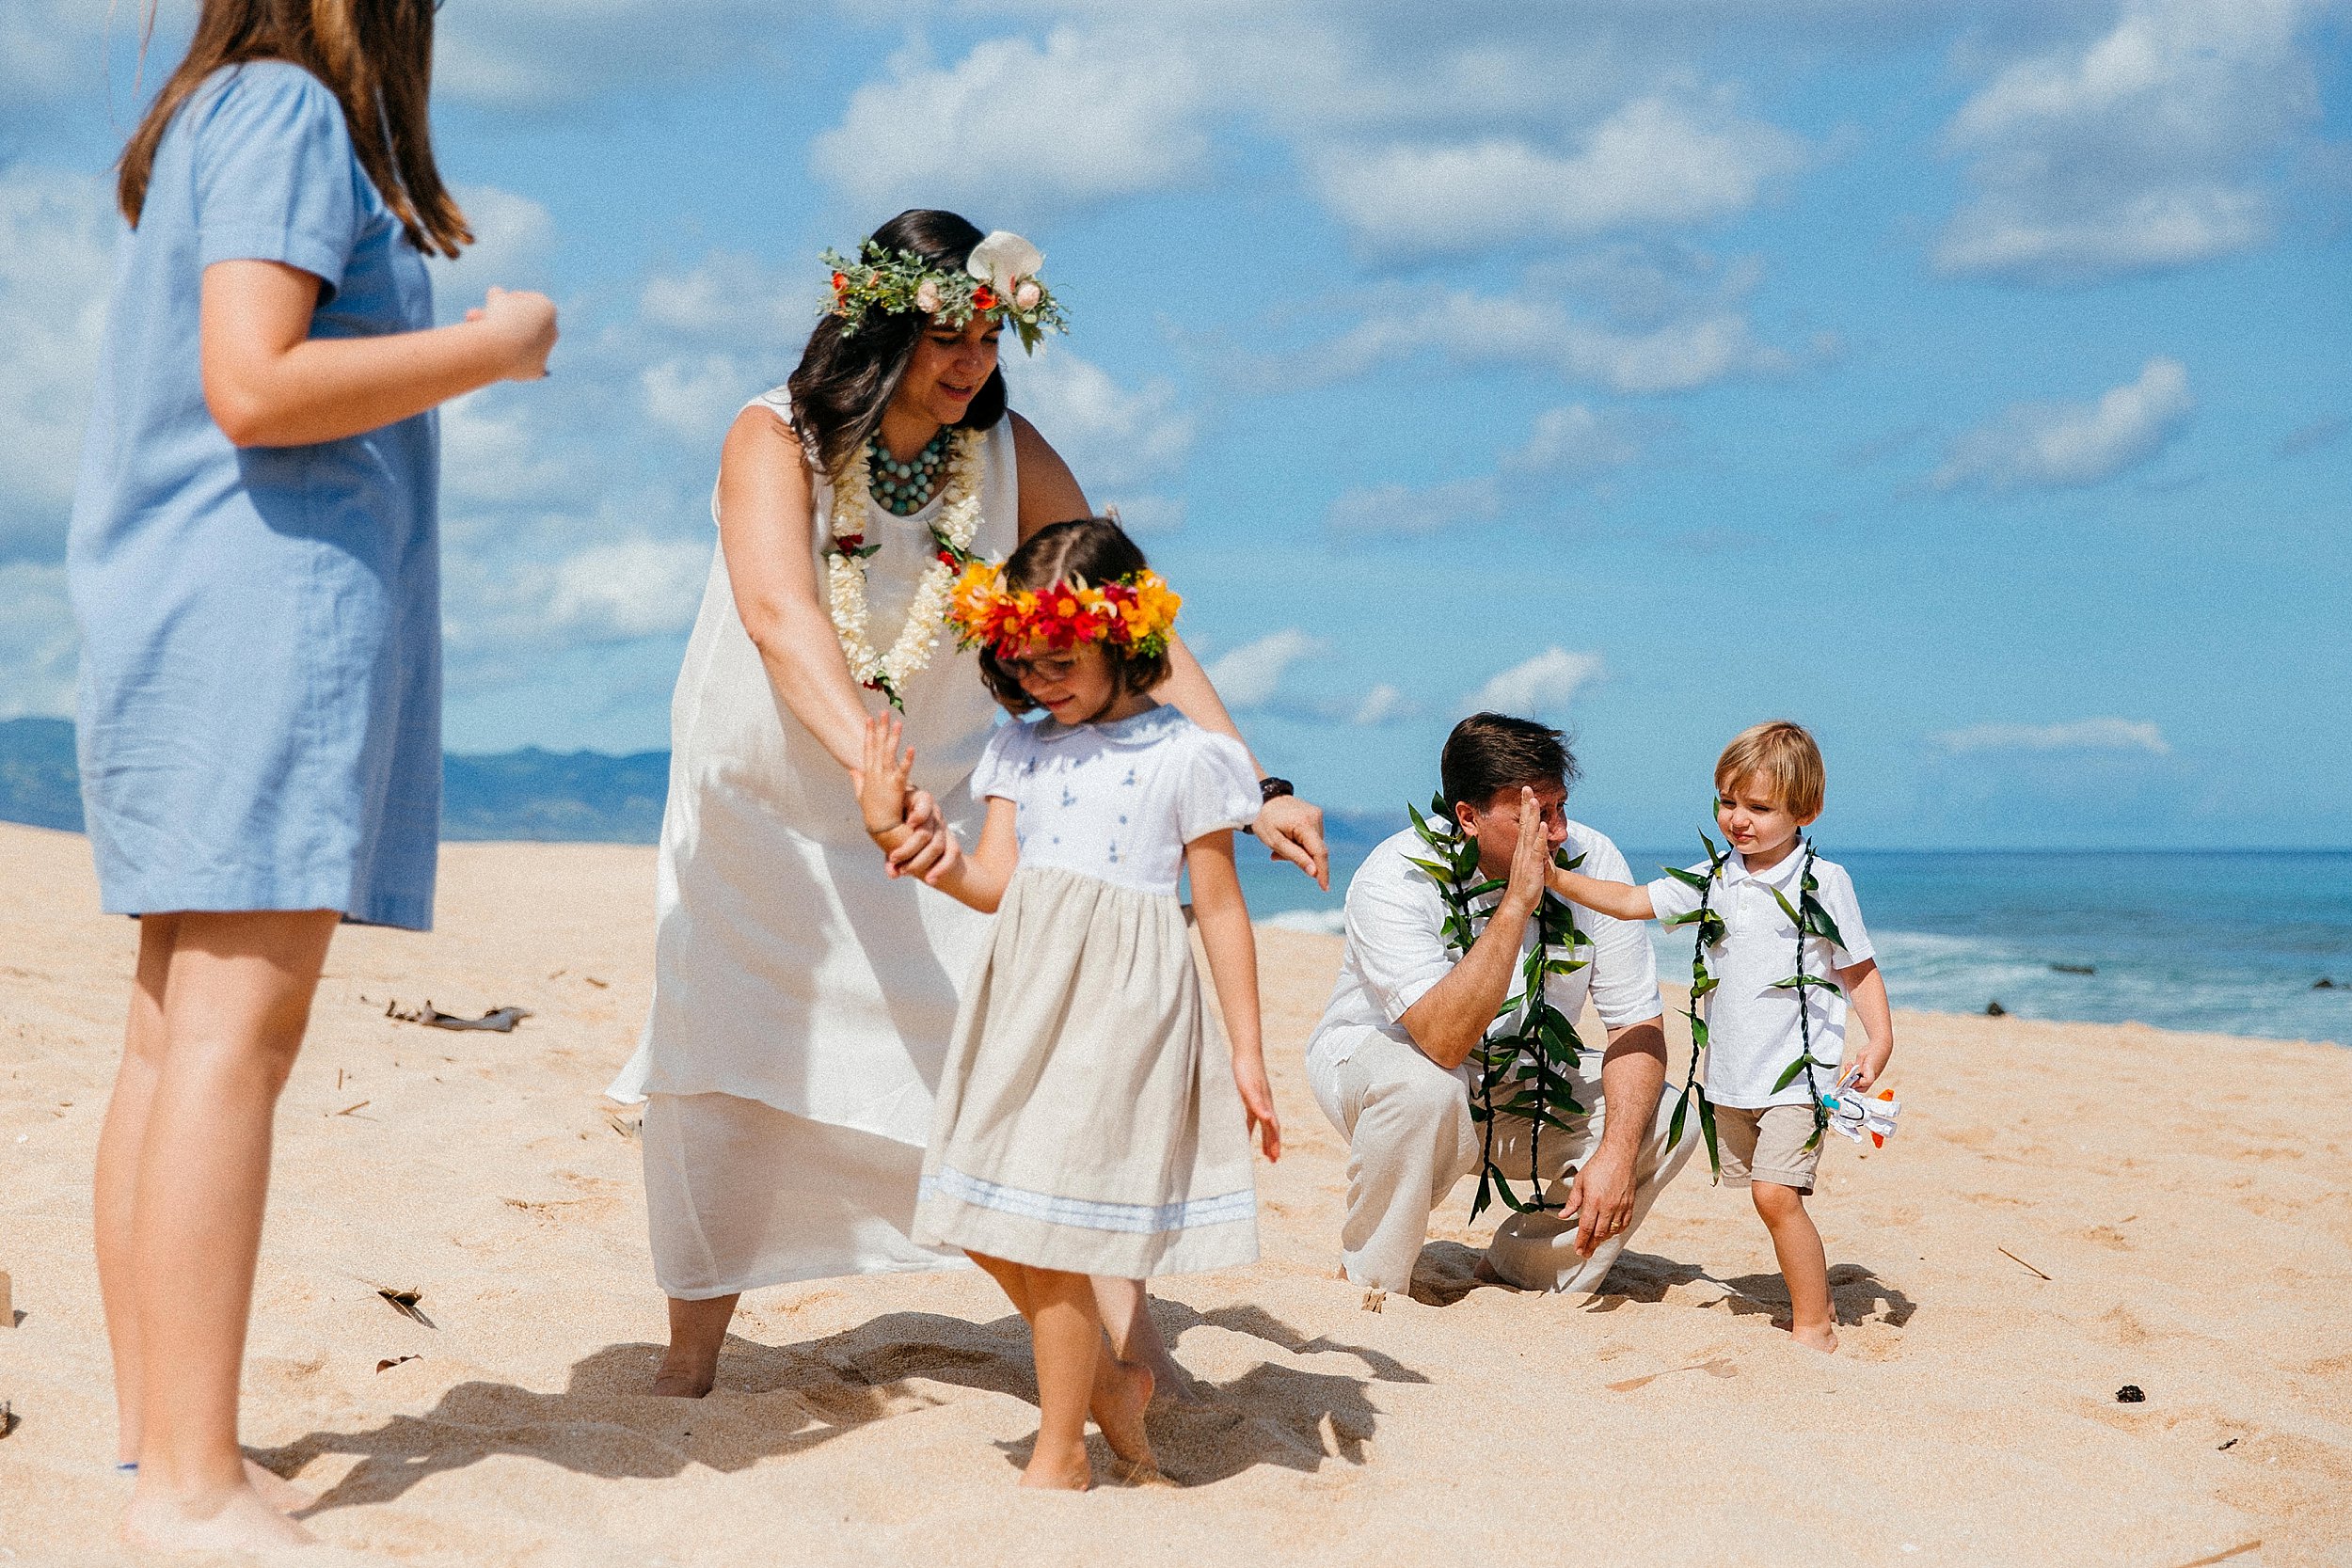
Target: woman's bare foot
x=271, y=1487
x=239, y=1520
x=1122, y=1391
x=684, y=1375
x=1070, y=1472
x=276, y=1490
x=1821, y=1337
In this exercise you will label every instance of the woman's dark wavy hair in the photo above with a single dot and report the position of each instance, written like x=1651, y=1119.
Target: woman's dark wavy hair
x=846, y=380
x=1092, y=548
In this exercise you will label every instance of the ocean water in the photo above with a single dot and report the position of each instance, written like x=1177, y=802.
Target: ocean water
x=2220, y=940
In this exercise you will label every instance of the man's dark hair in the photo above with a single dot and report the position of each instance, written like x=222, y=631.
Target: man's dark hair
x=1488, y=751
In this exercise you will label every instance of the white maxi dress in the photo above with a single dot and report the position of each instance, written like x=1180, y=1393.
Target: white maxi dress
x=802, y=1000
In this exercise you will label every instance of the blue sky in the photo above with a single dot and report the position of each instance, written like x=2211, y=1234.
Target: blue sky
x=1972, y=382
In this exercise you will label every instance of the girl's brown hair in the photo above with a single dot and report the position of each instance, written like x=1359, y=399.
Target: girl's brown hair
x=1091, y=549
x=375, y=56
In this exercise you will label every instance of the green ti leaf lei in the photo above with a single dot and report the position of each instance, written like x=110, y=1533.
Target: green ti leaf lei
x=1524, y=1070
x=1811, y=920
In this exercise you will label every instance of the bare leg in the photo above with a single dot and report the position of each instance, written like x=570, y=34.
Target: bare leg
x=1066, y=1333
x=698, y=1330
x=119, y=1144
x=1803, y=1263
x=1126, y=1311
x=235, y=998
x=1121, y=1389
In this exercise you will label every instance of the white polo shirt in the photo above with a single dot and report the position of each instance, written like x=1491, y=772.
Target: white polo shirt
x=1396, y=950
x=1752, y=1029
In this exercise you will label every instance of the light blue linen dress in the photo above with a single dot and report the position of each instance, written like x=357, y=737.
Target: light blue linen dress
x=260, y=690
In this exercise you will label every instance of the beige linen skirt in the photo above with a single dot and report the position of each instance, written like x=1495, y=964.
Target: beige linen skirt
x=1087, y=1119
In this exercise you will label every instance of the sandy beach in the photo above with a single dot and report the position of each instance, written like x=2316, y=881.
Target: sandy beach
x=2067, y=1209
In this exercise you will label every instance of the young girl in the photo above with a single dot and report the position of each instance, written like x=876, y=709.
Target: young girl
x=254, y=564
x=1083, y=1126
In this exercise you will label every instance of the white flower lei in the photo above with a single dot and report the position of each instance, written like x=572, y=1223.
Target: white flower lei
x=953, y=530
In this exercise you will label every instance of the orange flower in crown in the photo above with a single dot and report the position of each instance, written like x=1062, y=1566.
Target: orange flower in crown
x=1134, y=612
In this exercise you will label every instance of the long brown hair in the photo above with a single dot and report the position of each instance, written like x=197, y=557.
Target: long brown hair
x=844, y=382
x=375, y=56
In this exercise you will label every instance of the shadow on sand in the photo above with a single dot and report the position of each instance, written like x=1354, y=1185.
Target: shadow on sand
x=774, y=1400
x=1447, y=1271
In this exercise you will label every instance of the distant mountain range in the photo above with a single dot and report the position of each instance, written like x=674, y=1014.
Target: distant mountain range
x=567, y=796
x=531, y=794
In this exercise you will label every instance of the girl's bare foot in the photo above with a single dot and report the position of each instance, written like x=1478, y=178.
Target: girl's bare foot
x=1170, y=1383
x=1821, y=1337
x=238, y=1520
x=1122, y=1391
x=1070, y=1472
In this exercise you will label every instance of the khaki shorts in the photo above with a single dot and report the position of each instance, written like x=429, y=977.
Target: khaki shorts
x=1767, y=1145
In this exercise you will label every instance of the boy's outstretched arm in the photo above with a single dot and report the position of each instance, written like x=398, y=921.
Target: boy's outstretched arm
x=1866, y=992
x=1233, y=950
x=978, y=879
x=1618, y=900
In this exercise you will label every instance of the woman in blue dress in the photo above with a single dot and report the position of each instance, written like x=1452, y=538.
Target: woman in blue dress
x=254, y=562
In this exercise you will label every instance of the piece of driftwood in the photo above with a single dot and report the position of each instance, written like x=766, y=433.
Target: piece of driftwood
x=2238, y=1550
x=499, y=1019
x=7, y=1301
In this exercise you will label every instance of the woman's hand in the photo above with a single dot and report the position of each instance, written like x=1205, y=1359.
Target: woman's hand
x=1292, y=830
x=524, y=324
x=882, y=778
x=1257, y=1104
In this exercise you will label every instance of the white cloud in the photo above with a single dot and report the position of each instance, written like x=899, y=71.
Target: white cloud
x=2057, y=445
x=2080, y=734
x=531, y=55
x=1112, y=436
x=1536, y=686
x=1013, y=126
x=56, y=248
x=39, y=642
x=1250, y=676
x=1382, y=704
x=1698, y=342
x=1652, y=162
x=513, y=238
x=2140, y=148
x=1400, y=509
x=1575, y=439
x=696, y=397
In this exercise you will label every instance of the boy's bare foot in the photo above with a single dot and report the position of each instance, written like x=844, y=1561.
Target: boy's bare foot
x=1072, y=1472
x=238, y=1520
x=1821, y=1337
x=1122, y=1391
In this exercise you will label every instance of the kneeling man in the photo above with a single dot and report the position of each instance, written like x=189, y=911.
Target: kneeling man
x=1392, y=1064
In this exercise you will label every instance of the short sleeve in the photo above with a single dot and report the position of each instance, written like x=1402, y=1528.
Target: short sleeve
x=1624, y=965
x=1670, y=899
x=1396, y=931
x=1838, y=897
x=998, y=772
x=1219, y=789
x=276, y=178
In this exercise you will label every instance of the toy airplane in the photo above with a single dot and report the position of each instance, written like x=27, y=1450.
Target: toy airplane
x=1855, y=1117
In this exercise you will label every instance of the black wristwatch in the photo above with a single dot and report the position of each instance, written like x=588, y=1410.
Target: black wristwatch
x=1270, y=788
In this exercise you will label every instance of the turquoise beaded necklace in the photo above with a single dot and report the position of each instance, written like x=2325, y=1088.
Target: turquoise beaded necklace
x=905, y=488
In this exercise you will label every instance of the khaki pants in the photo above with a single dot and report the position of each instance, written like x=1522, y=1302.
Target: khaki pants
x=1411, y=1138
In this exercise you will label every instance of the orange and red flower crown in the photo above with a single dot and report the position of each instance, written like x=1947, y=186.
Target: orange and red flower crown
x=1134, y=613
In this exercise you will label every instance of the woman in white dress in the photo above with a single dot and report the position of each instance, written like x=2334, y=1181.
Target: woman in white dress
x=804, y=992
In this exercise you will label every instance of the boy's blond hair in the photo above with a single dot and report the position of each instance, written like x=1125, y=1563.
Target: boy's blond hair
x=1784, y=754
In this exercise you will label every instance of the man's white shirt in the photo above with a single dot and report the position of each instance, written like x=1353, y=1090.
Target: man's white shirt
x=1752, y=1029
x=1397, y=950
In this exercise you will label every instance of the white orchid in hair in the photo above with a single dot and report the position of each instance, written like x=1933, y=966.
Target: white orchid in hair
x=1004, y=259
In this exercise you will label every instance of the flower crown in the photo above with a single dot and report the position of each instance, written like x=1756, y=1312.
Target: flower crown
x=1000, y=281
x=1134, y=613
